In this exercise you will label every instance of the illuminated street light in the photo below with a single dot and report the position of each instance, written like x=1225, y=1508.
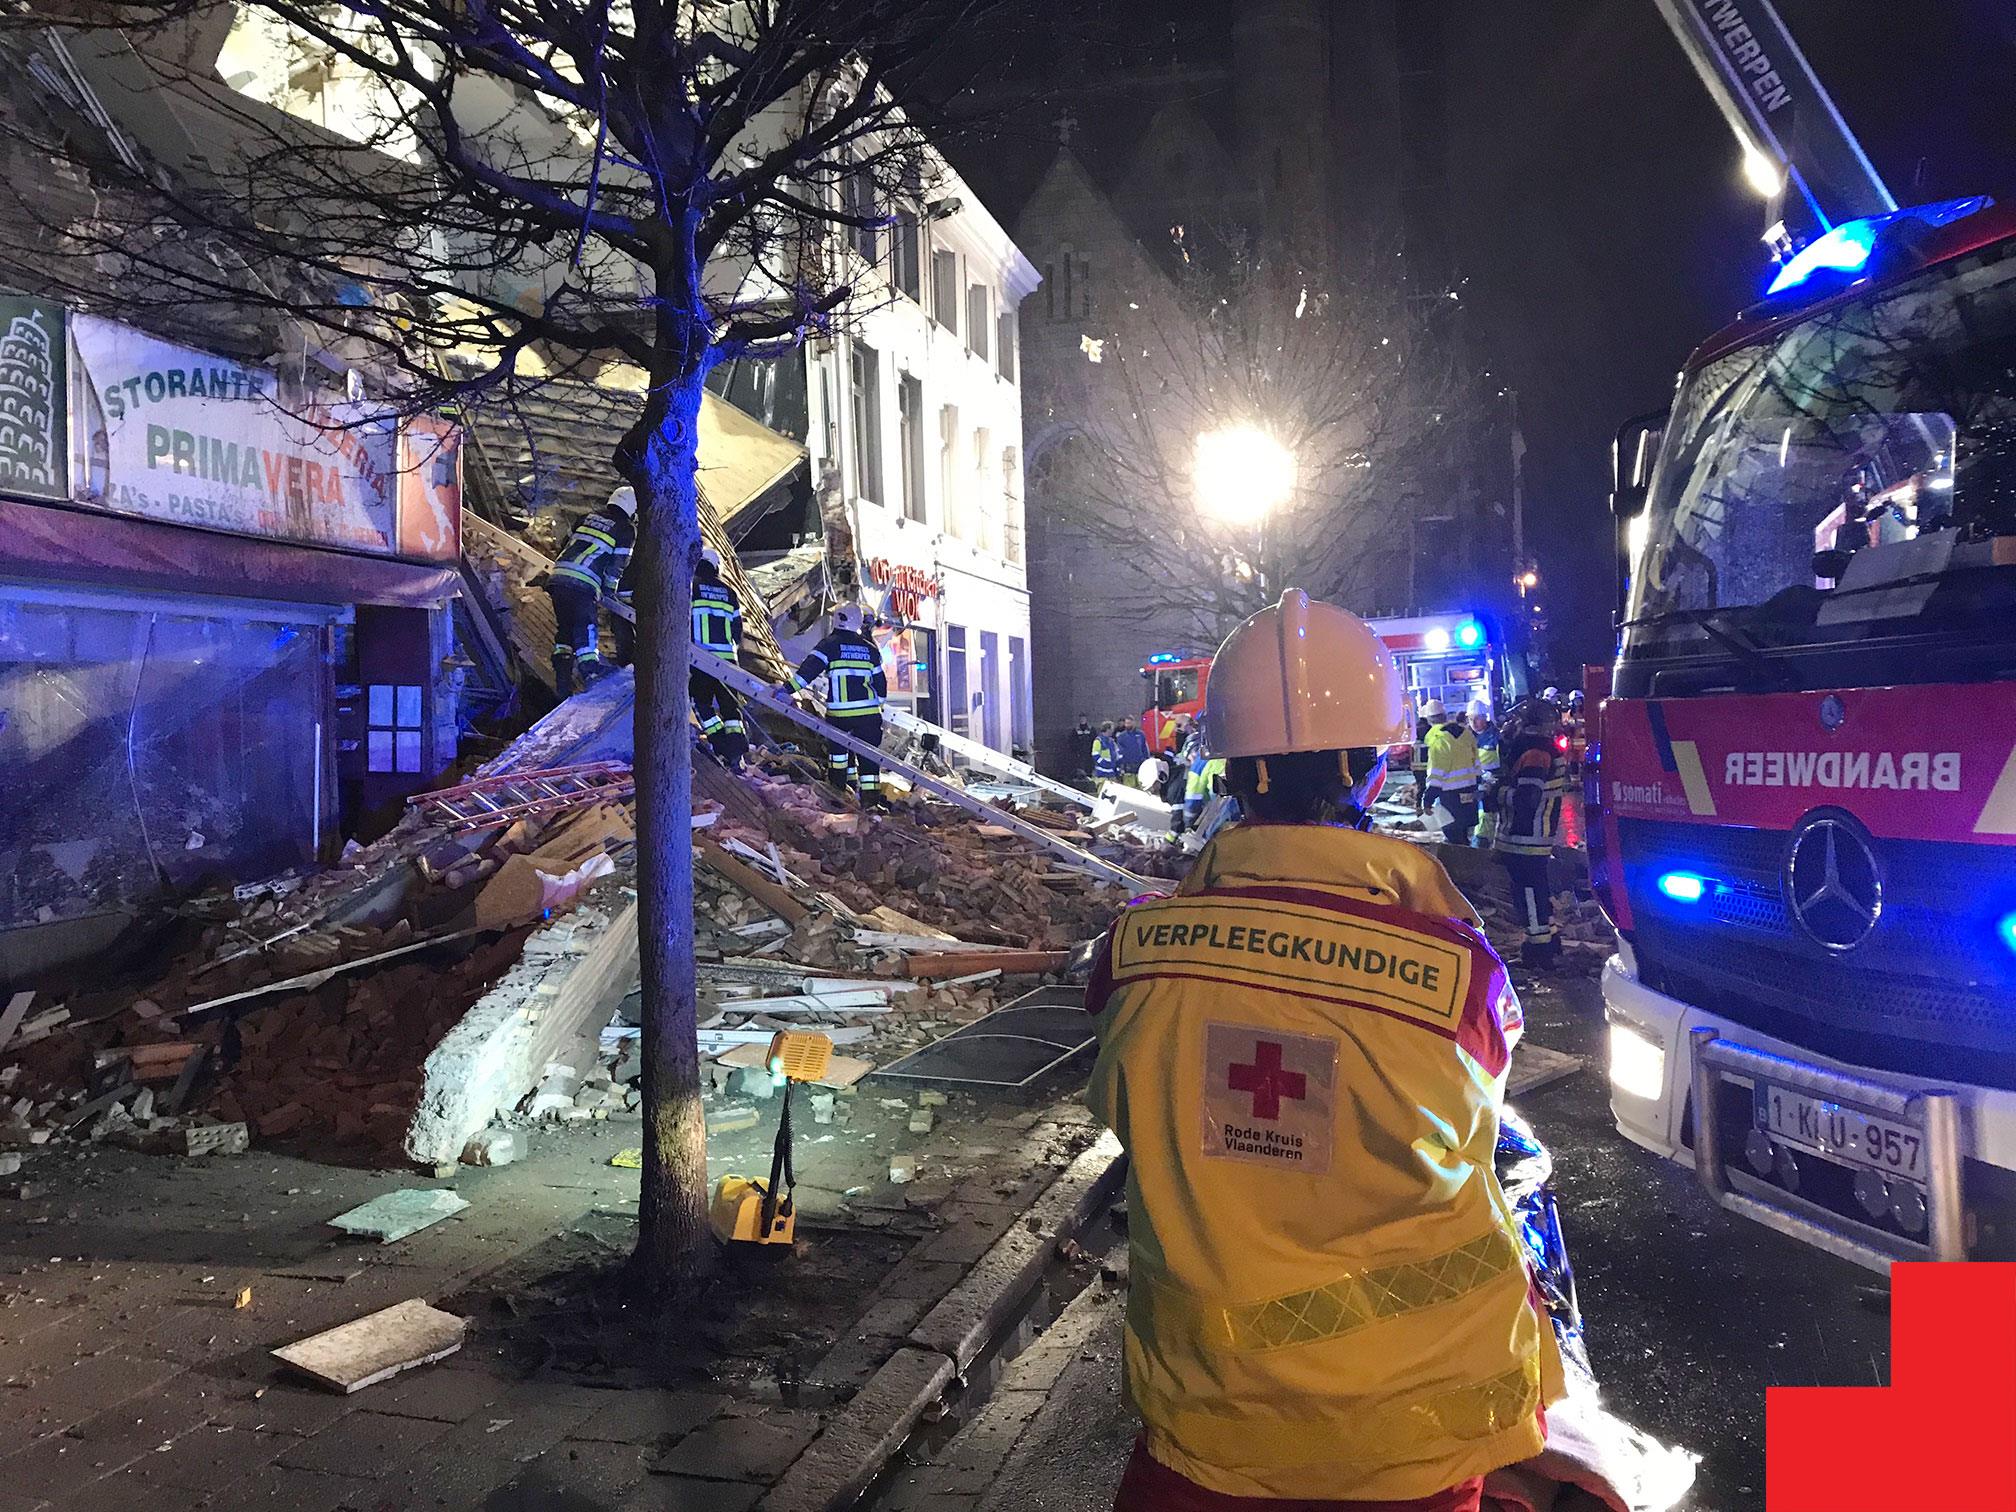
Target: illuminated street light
x=1763, y=175
x=1529, y=579
x=1242, y=474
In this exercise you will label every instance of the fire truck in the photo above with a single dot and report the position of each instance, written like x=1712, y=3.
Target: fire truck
x=1453, y=657
x=1801, y=787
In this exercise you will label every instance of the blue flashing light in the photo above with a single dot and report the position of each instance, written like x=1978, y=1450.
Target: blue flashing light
x=1684, y=887
x=1469, y=635
x=1847, y=248
x=1163, y=658
x=2007, y=930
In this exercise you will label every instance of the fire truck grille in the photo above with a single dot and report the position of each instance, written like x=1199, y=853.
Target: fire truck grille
x=1931, y=991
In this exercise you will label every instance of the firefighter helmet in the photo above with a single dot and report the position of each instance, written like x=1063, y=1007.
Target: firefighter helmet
x=847, y=617
x=624, y=502
x=1479, y=710
x=711, y=557
x=1302, y=675
x=1434, y=709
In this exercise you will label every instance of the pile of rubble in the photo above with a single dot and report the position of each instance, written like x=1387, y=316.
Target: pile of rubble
x=315, y=1008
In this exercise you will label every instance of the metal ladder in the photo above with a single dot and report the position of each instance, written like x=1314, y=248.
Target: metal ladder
x=498, y=800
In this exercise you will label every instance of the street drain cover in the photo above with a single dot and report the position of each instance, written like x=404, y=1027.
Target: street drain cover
x=1011, y=1047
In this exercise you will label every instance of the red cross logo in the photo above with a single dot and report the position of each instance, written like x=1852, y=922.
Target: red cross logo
x=1267, y=1081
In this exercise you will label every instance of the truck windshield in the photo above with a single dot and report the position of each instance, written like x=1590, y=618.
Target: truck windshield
x=1175, y=685
x=1850, y=476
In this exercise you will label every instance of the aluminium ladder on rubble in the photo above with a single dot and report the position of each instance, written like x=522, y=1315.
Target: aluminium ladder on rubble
x=498, y=800
x=766, y=697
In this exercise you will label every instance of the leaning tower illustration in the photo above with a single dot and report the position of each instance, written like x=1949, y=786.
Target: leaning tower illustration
x=28, y=439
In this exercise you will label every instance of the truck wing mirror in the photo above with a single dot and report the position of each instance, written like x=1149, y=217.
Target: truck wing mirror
x=1632, y=455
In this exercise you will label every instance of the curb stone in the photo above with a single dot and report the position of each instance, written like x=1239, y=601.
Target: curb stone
x=858, y=1443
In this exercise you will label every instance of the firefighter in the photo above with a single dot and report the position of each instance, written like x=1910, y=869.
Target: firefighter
x=1304, y=1053
x=1106, y=754
x=1532, y=785
x=1452, y=775
x=717, y=628
x=850, y=664
x=590, y=567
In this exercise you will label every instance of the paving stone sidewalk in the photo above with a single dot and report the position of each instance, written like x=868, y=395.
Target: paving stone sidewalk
x=128, y=1378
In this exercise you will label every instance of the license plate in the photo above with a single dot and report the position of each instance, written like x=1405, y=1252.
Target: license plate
x=1839, y=1131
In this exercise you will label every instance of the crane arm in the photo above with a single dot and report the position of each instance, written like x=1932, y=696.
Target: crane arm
x=1767, y=92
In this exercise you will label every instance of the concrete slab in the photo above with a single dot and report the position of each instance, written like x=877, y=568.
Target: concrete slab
x=753, y=1449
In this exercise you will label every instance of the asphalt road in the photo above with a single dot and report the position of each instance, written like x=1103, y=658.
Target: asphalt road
x=1691, y=1313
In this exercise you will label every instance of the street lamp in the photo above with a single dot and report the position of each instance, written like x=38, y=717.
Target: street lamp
x=1242, y=474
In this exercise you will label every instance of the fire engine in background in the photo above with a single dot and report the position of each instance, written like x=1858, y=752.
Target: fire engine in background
x=1452, y=657
x=1803, y=786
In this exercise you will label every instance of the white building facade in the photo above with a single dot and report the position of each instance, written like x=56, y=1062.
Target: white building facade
x=916, y=417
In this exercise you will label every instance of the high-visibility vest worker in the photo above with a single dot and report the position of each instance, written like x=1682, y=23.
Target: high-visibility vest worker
x=717, y=628
x=589, y=569
x=1106, y=754
x=1304, y=1053
x=1453, y=762
x=850, y=666
x=1531, y=789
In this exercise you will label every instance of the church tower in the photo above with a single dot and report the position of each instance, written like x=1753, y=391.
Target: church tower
x=1282, y=105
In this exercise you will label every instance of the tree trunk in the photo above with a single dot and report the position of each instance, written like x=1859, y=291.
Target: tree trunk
x=675, y=1245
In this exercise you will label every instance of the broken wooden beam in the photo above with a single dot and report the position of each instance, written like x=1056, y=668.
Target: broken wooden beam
x=771, y=895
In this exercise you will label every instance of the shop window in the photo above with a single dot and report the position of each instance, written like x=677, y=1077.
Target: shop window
x=151, y=749
x=958, y=709
x=1021, y=719
x=989, y=700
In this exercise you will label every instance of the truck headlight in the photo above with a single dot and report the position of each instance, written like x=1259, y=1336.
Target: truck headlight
x=1637, y=1063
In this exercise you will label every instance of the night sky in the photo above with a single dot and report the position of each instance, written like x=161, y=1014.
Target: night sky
x=1599, y=210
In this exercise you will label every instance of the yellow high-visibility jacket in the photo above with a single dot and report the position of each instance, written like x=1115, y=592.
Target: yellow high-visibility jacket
x=1453, y=761
x=1304, y=1052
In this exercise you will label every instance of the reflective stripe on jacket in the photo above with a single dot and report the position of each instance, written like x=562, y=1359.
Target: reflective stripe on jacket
x=1532, y=786
x=851, y=667
x=1105, y=756
x=598, y=552
x=717, y=618
x=1452, y=758
x=1304, y=1053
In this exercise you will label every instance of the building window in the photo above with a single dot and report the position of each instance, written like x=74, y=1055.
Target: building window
x=945, y=289
x=857, y=197
x=979, y=320
x=1067, y=287
x=985, y=498
x=948, y=468
x=910, y=427
x=1004, y=345
x=865, y=393
x=770, y=388
x=908, y=243
x=1011, y=505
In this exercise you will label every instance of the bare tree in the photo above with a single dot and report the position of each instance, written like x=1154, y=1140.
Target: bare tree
x=1340, y=362
x=517, y=190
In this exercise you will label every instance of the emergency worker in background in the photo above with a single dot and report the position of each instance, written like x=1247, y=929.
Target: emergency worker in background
x=1485, y=728
x=850, y=665
x=1452, y=774
x=1082, y=736
x=1532, y=785
x=1133, y=747
x=717, y=626
x=589, y=568
x=1106, y=754
x=1304, y=1053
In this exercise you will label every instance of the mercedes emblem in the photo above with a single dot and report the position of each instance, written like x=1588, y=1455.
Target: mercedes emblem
x=1833, y=884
